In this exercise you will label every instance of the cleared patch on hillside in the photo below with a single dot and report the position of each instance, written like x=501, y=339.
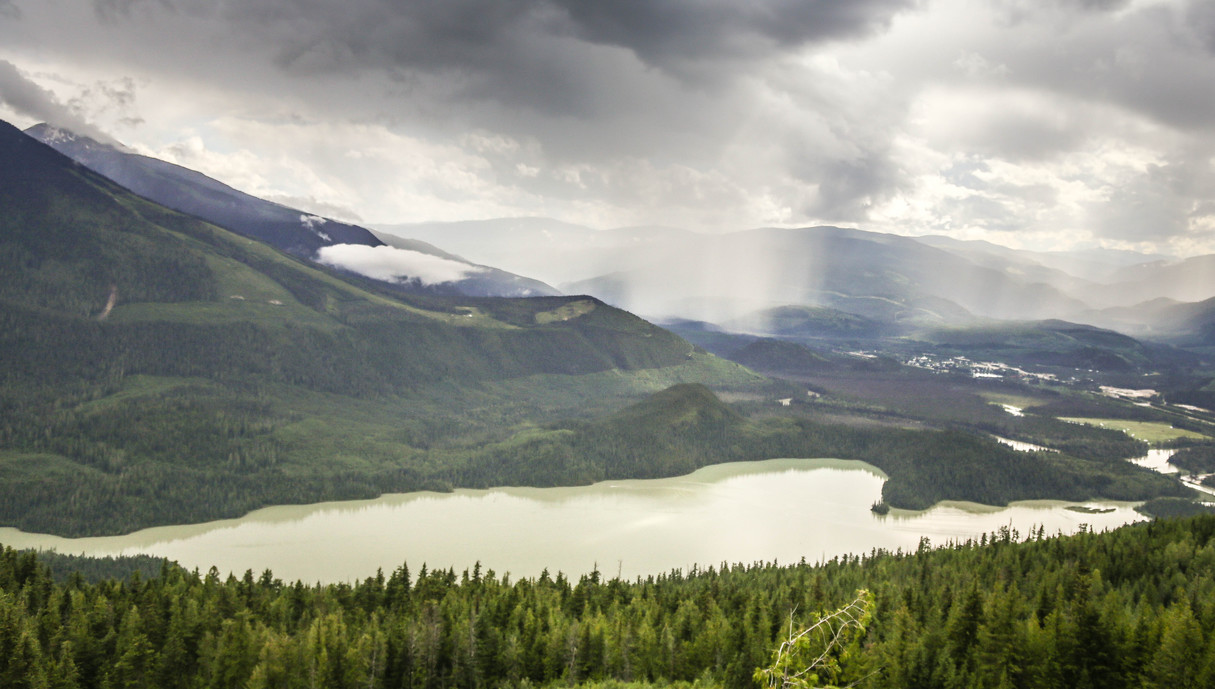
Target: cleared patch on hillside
x=567, y=312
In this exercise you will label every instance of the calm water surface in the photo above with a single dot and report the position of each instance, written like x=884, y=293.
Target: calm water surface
x=1157, y=460
x=782, y=510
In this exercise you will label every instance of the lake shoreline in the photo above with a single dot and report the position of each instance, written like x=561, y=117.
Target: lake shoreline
x=781, y=509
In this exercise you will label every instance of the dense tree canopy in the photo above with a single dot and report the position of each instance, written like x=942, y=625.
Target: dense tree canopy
x=1131, y=608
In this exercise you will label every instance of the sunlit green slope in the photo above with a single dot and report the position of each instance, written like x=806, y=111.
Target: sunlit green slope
x=155, y=368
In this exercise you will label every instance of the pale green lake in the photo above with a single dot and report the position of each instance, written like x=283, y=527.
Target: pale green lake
x=778, y=510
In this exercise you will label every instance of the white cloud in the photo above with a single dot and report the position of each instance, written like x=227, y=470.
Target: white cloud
x=395, y=265
x=314, y=223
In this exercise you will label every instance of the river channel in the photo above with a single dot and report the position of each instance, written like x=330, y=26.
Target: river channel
x=778, y=510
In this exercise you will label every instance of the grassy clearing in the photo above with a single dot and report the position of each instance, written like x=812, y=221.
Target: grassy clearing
x=1151, y=432
x=567, y=312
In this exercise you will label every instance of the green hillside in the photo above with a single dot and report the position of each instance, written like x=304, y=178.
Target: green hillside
x=158, y=369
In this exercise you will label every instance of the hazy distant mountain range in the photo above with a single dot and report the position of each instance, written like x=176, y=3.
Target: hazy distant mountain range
x=411, y=266
x=744, y=279
x=825, y=282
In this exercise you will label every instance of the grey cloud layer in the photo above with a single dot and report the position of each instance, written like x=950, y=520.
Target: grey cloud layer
x=555, y=58
x=825, y=110
x=593, y=80
x=457, y=33
x=672, y=33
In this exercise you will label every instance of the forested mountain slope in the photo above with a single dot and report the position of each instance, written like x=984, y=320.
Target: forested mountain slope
x=155, y=368
x=685, y=427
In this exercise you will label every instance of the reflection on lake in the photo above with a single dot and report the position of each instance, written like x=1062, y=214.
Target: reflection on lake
x=1157, y=460
x=783, y=509
x=1022, y=445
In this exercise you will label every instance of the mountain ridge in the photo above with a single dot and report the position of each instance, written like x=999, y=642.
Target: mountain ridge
x=155, y=368
x=721, y=278
x=296, y=232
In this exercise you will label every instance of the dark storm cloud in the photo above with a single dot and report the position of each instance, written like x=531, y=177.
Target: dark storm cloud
x=31, y=100
x=458, y=51
x=593, y=81
x=494, y=35
x=1200, y=18
x=361, y=34
x=804, y=110
x=666, y=33
x=1149, y=59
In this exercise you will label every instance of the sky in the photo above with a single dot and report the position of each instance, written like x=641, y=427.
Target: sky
x=1041, y=124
